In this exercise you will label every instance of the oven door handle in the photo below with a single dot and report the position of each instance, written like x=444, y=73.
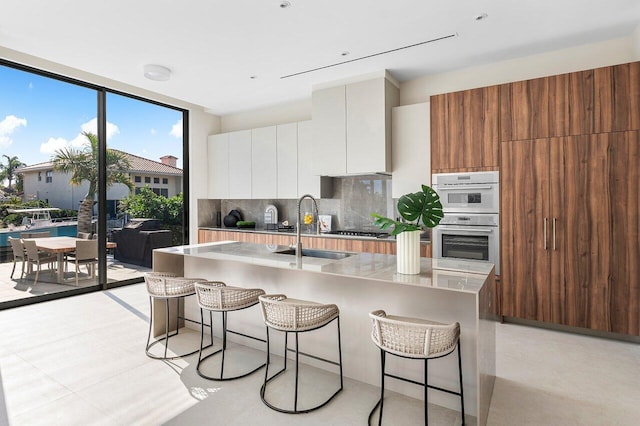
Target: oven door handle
x=467, y=229
x=463, y=187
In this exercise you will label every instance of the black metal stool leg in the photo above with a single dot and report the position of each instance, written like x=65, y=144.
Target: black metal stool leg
x=340, y=355
x=461, y=391
x=426, y=392
x=383, y=355
x=224, y=342
x=295, y=403
x=166, y=325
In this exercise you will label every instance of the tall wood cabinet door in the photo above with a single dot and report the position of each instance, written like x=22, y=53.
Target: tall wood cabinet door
x=595, y=189
x=481, y=114
x=524, y=110
x=617, y=98
x=571, y=104
x=526, y=289
x=464, y=130
x=439, y=137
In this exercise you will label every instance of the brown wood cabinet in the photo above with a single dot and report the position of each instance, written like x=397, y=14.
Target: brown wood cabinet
x=524, y=110
x=571, y=104
x=464, y=130
x=323, y=243
x=570, y=241
x=617, y=98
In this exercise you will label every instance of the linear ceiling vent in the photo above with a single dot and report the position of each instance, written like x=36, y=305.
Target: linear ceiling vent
x=371, y=56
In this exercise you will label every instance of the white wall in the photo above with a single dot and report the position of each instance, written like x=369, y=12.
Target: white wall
x=277, y=114
x=612, y=52
x=201, y=123
x=636, y=42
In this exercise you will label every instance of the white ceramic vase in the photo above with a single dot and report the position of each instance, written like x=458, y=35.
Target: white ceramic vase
x=408, y=252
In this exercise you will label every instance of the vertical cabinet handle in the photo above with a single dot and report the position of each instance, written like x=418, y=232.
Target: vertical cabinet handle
x=554, y=233
x=544, y=233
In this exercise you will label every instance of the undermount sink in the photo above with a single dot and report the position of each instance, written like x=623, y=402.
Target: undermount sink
x=316, y=253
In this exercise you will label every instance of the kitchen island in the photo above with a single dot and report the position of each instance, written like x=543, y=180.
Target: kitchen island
x=445, y=291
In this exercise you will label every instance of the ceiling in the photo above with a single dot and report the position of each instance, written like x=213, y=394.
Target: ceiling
x=214, y=47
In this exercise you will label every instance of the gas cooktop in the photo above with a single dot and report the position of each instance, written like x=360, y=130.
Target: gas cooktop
x=360, y=233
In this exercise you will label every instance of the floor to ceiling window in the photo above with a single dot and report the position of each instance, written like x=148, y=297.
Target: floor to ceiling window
x=146, y=211
x=83, y=171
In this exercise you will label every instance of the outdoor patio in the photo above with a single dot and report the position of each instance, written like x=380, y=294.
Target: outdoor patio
x=13, y=289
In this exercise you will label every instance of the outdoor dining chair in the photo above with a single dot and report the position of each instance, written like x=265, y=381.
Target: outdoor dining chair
x=86, y=254
x=18, y=254
x=34, y=256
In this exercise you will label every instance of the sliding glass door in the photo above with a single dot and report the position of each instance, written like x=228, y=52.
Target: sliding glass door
x=144, y=202
x=90, y=182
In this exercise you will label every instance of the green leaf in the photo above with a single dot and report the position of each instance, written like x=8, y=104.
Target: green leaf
x=418, y=207
x=397, y=227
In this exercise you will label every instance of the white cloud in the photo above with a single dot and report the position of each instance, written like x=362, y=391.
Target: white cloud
x=176, y=129
x=53, y=144
x=31, y=86
x=92, y=127
x=153, y=131
x=7, y=126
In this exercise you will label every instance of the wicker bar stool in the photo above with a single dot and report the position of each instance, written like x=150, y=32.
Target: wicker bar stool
x=167, y=286
x=215, y=296
x=416, y=339
x=296, y=316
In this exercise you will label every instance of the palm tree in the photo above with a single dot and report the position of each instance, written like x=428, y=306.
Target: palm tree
x=8, y=171
x=82, y=164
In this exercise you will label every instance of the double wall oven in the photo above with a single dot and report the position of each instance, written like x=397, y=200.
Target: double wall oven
x=470, y=227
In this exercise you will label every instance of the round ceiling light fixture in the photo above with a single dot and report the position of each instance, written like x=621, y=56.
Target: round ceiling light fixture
x=481, y=17
x=157, y=72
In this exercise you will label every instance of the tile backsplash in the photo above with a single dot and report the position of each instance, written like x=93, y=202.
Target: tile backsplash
x=354, y=199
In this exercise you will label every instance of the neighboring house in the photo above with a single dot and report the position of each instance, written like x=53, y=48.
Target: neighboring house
x=42, y=182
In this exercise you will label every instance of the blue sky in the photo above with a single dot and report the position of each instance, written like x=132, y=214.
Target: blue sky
x=39, y=115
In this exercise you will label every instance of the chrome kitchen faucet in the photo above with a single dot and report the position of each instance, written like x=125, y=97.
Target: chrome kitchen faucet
x=298, y=242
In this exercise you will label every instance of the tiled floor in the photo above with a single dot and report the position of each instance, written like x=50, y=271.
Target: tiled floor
x=16, y=288
x=80, y=361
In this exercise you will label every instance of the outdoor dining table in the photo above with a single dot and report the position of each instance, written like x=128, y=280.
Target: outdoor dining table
x=60, y=246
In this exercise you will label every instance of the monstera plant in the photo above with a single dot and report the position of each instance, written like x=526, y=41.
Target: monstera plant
x=418, y=209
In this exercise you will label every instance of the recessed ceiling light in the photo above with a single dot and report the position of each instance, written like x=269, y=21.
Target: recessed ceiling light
x=253, y=77
x=157, y=72
x=481, y=17
x=284, y=4
x=345, y=53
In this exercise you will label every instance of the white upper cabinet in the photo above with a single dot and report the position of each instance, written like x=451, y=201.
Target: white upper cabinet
x=218, y=157
x=352, y=127
x=240, y=164
x=264, y=164
x=411, y=149
x=329, y=131
x=287, y=160
x=369, y=125
x=308, y=182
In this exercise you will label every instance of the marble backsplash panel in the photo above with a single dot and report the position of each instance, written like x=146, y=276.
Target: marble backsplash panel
x=354, y=199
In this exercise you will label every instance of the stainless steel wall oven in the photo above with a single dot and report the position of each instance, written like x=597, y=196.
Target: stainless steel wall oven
x=470, y=227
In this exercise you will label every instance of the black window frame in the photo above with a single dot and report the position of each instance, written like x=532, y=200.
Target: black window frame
x=101, y=92
x=137, y=179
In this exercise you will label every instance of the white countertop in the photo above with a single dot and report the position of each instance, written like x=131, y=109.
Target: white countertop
x=456, y=275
